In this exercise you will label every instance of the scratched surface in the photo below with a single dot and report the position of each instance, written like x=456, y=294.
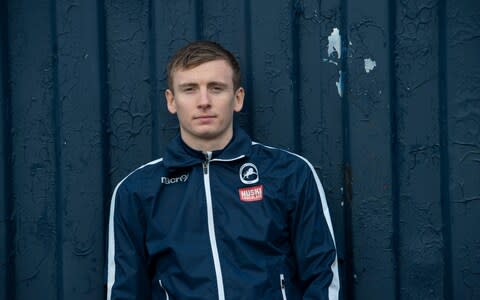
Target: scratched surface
x=369, y=109
x=33, y=150
x=418, y=146
x=128, y=84
x=383, y=97
x=463, y=119
x=80, y=143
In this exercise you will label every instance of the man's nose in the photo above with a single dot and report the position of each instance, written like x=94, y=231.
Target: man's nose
x=204, y=100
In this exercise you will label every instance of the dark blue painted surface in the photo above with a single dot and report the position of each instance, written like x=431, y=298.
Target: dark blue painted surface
x=397, y=146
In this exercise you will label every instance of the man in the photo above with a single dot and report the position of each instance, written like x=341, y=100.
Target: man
x=219, y=216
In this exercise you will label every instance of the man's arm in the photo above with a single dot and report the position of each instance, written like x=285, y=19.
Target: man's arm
x=313, y=240
x=126, y=270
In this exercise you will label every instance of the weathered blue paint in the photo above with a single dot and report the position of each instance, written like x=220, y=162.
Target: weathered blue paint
x=7, y=232
x=383, y=97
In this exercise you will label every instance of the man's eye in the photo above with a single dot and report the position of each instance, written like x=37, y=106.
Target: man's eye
x=217, y=89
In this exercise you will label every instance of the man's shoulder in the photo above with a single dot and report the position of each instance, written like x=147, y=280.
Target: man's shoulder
x=145, y=172
x=279, y=156
x=278, y=153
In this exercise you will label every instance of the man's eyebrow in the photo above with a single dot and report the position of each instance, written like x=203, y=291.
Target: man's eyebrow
x=209, y=84
x=187, y=84
x=217, y=83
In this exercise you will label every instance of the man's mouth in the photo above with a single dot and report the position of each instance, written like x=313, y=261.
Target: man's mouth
x=204, y=117
x=204, y=120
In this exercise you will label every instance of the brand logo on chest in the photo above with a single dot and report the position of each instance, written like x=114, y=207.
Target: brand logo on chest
x=170, y=180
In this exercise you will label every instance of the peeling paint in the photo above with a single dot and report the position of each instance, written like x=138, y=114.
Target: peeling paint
x=334, y=46
x=334, y=43
x=330, y=61
x=369, y=64
x=339, y=84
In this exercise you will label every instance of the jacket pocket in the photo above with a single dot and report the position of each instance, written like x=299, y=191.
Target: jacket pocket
x=163, y=288
x=282, y=286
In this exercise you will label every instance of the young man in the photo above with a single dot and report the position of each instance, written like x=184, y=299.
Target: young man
x=219, y=216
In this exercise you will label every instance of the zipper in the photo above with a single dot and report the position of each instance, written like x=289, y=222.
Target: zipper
x=205, y=168
x=282, y=286
x=211, y=226
x=163, y=288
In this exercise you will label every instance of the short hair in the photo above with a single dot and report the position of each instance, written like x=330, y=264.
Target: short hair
x=199, y=52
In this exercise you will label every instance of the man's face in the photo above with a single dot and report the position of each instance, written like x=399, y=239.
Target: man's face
x=204, y=100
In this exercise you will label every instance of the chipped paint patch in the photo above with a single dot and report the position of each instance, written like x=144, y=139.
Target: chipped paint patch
x=335, y=46
x=334, y=43
x=339, y=84
x=330, y=61
x=369, y=64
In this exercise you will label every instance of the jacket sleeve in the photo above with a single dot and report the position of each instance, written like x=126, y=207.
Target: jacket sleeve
x=313, y=239
x=127, y=276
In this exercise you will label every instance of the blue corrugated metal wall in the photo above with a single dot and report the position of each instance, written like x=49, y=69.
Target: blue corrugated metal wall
x=383, y=97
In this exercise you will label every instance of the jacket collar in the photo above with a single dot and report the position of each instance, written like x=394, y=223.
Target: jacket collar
x=180, y=155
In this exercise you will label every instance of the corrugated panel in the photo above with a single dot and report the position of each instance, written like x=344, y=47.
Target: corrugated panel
x=419, y=157
x=460, y=116
x=6, y=228
x=33, y=85
x=368, y=97
x=383, y=97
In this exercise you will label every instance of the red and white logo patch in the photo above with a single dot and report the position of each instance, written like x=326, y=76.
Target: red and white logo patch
x=251, y=193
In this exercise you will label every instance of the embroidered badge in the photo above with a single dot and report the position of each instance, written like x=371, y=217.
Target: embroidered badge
x=251, y=193
x=249, y=173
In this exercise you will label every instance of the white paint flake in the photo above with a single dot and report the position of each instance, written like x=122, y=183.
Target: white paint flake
x=339, y=84
x=334, y=43
x=335, y=46
x=369, y=64
x=330, y=61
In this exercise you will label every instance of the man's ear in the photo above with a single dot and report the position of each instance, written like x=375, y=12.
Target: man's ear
x=169, y=97
x=239, y=97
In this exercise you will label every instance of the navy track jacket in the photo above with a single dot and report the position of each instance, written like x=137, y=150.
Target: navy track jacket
x=246, y=222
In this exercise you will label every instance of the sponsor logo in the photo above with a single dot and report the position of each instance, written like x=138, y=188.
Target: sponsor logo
x=167, y=180
x=251, y=193
x=249, y=173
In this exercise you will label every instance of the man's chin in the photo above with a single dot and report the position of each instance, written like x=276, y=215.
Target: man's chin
x=209, y=134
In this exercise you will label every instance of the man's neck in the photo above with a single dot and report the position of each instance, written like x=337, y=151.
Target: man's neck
x=208, y=145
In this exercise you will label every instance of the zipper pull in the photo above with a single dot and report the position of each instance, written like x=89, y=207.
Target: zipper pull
x=205, y=168
x=208, y=157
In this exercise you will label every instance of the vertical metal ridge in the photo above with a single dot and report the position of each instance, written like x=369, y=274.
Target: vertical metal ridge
x=349, y=289
x=444, y=153
x=294, y=76
x=153, y=77
x=57, y=119
x=7, y=158
x=199, y=34
x=105, y=114
x=394, y=150
x=246, y=55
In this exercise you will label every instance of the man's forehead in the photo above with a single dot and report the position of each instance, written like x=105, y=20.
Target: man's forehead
x=215, y=70
x=216, y=63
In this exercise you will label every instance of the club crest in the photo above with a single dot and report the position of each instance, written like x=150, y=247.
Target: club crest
x=249, y=173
